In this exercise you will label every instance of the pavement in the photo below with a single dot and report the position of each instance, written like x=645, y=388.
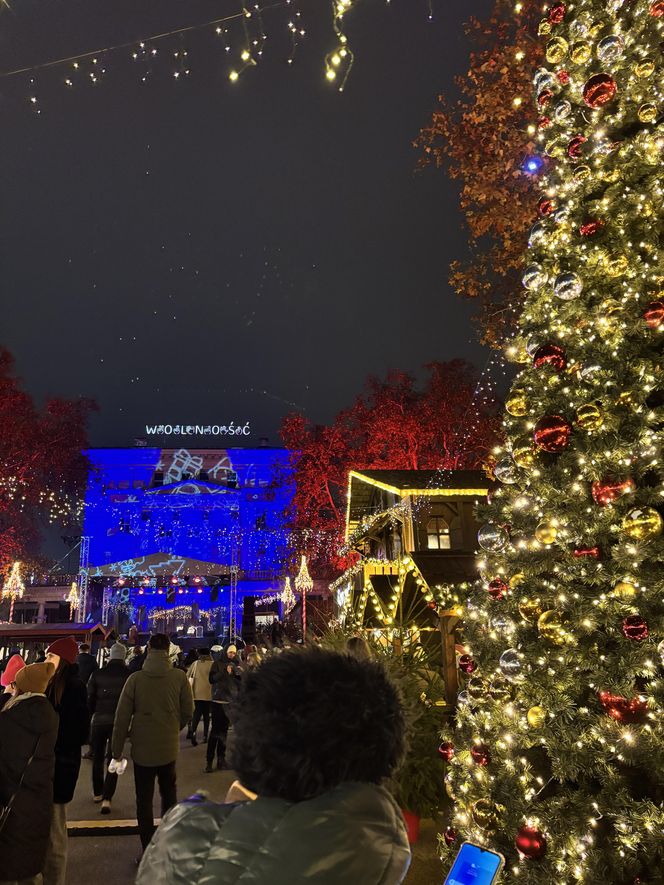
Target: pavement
x=109, y=844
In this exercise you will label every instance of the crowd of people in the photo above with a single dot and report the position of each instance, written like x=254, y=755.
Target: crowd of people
x=310, y=734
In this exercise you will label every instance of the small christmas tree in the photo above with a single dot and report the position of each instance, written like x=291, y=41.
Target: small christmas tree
x=557, y=758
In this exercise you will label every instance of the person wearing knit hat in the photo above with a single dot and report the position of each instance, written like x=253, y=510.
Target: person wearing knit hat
x=34, y=678
x=67, y=694
x=104, y=690
x=28, y=730
x=64, y=648
x=14, y=664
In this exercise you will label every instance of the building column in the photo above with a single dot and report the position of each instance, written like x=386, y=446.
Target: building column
x=41, y=613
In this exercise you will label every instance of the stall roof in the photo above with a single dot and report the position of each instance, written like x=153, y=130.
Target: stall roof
x=50, y=632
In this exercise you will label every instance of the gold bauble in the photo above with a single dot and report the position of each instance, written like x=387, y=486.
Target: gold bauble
x=556, y=50
x=581, y=173
x=589, y=416
x=642, y=524
x=523, y=452
x=645, y=68
x=551, y=625
x=530, y=609
x=627, y=398
x=617, y=265
x=647, y=113
x=536, y=717
x=500, y=689
x=517, y=405
x=517, y=352
x=546, y=532
x=581, y=52
x=554, y=148
x=625, y=588
x=544, y=27
x=516, y=580
x=487, y=814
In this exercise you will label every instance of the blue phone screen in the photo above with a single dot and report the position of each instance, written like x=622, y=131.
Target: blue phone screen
x=473, y=866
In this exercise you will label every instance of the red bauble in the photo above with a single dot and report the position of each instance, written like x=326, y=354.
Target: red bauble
x=450, y=836
x=467, y=664
x=432, y=604
x=544, y=122
x=591, y=552
x=551, y=433
x=531, y=843
x=599, y=90
x=574, y=148
x=546, y=206
x=657, y=8
x=481, y=754
x=622, y=709
x=563, y=77
x=654, y=314
x=544, y=97
x=497, y=588
x=634, y=627
x=447, y=751
x=550, y=355
x=606, y=491
x=591, y=227
x=557, y=13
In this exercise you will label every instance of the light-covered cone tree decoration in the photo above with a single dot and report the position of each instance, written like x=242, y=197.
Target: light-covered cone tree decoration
x=13, y=588
x=557, y=757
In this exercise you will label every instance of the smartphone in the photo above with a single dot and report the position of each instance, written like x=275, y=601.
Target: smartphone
x=475, y=865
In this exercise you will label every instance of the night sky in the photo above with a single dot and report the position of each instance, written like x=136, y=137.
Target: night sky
x=195, y=251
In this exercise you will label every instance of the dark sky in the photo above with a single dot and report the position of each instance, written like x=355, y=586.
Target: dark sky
x=199, y=251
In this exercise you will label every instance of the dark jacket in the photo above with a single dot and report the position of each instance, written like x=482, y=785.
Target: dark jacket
x=225, y=685
x=104, y=690
x=73, y=731
x=155, y=705
x=29, y=726
x=136, y=662
x=87, y=664
x=353, y=835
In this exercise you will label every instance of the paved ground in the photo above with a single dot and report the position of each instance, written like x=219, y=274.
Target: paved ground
x=102, y=852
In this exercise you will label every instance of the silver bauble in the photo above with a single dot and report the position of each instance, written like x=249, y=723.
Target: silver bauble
x=568, y=286
x=492, y=537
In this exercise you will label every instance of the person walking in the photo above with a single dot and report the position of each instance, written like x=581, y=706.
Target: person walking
x=104, y=689
x=8, y=678
x=67, y=694
x=87, y=663
x=155, y=705
x=199, y=679
x=28, y=730
x=225, y=682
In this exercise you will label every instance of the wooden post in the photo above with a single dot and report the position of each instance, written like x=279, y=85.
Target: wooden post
x=448, y=622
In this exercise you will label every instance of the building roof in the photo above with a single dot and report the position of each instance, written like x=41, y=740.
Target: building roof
x=49, y=632
x=408, y=483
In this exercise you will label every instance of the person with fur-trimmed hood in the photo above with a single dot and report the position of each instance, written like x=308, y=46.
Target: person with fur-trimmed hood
x=315, y=733
x=28, y=729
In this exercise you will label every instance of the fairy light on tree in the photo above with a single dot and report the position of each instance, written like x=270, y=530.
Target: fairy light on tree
x=557, y=755
x=13, y=588
x=304, y=584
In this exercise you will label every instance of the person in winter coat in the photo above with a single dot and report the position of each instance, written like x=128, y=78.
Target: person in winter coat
x=104, y=689
x=87, y=663
x=155, y=705
x=8, y=678
x=67, y=694
x=137, y=659
x=28, y=729
x=225, y=681
x=315, y=733
x=198, y=675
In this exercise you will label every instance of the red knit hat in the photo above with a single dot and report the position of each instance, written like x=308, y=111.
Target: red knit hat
x=14, y=664
x=65, y=648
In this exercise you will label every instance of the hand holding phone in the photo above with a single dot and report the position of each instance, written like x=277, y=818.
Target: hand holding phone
x=475, y=865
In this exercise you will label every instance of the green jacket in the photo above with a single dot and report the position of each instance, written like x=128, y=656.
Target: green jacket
x=352, y=835
x=155, y=705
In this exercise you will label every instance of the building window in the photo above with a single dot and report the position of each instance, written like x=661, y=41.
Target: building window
x=438, y=534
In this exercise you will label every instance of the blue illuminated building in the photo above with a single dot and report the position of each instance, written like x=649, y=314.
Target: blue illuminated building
x=171, y=535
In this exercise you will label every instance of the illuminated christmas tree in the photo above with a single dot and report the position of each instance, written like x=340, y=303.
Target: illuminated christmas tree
x=557, y=757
